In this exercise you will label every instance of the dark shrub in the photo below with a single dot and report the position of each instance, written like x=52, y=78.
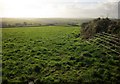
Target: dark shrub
x=100, y=25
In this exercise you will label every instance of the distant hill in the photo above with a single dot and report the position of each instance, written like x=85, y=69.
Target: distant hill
x=100, y=25
x=26, y=22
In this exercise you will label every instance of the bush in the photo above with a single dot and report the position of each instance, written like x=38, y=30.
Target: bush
x=100, y=25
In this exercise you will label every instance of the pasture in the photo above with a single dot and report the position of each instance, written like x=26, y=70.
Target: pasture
x=56, y=54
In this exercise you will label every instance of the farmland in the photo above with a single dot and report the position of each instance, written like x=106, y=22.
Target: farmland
x=36, y=22
x=57, y=54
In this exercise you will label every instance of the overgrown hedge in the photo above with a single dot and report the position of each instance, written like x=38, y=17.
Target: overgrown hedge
x=99, y=25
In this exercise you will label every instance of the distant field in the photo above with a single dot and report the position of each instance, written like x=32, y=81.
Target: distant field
x=56, y=54
x=23, y=22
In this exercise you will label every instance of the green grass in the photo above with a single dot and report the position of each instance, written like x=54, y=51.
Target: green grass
x=55, y=54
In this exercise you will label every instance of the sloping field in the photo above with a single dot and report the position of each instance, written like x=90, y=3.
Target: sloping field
x=55, y=54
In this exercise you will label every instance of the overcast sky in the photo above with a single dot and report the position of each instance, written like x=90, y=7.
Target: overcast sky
x=59, y=8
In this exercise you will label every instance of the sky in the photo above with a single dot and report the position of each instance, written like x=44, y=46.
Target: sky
x=58, y=8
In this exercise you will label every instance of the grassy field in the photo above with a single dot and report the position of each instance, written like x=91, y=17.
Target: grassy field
x=55, y=54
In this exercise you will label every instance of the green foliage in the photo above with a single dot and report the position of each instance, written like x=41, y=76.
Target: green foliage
x=51, y=55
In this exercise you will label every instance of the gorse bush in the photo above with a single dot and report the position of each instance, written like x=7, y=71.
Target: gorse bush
x=100, y=25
